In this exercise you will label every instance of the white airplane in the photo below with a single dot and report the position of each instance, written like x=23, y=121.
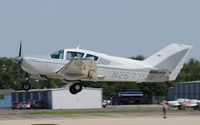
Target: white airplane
x=185, y=103
x=189, y=103
x=77, y=65
x=175, y=103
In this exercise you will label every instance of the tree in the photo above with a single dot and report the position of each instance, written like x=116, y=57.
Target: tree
x=10, y=75
x=190, y=71
x=138, y=57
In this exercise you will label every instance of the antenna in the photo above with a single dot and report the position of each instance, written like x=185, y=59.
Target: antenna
x=78, y=46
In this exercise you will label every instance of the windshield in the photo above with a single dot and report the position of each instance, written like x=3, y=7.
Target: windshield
x=71, y=55
x=57, y=54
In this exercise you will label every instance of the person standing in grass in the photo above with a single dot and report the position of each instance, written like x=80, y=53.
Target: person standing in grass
x=164, y=108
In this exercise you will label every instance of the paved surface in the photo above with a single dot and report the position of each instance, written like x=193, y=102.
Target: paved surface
x=142, y=120
x=20, y=117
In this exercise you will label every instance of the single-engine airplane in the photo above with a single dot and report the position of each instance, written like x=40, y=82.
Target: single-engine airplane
x=77, y=65
x=183, y=103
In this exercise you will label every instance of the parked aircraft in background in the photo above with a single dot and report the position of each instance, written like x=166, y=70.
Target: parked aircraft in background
x=175, y=103
x=77, y=65
x=183, y=103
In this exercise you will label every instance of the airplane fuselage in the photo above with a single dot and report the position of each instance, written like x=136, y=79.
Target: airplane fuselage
x=50, y=67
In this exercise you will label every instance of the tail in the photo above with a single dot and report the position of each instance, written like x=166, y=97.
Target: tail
x=170, y=58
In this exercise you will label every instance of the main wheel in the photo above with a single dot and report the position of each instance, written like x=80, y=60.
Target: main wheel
x=75, y=88
x=26, y=86
x=72, y=90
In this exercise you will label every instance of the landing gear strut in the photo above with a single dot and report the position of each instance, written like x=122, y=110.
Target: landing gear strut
x=75, y=88
x=26, y=84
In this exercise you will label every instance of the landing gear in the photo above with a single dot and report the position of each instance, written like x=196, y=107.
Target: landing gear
x=26, y=84
x=75, y=88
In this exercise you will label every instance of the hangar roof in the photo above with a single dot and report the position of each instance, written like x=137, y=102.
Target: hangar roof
x=56, y=89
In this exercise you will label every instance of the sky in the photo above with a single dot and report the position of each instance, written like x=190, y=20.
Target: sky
x=122, y=28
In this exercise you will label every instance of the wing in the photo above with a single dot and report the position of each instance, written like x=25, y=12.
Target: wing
x=79, y=69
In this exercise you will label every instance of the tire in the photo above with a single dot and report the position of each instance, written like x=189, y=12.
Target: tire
x=78, y=87
x=26, y=86
x=75, y=88
x=72, y=90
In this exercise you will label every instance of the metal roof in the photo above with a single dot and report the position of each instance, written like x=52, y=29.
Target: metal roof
x=56, y=89
x=188, y=82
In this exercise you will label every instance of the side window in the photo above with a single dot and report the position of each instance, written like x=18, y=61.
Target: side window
x=92, y=57
x=57, y=54
x=71, y=55
x=104, y=61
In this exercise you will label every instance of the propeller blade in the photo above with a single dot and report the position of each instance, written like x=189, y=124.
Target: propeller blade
x=20, y=49
x=20, y=56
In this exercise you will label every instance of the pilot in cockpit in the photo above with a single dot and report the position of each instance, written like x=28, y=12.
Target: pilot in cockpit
x=74, y=55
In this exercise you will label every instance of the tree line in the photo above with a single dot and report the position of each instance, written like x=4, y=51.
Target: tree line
x=12, y=77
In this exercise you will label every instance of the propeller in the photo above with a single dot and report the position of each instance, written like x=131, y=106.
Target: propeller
x=18, y=59
x=20, y=56
x=20, y=49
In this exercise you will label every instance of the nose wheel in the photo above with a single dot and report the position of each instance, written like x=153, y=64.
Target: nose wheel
x=75, y=88
x=26, y=84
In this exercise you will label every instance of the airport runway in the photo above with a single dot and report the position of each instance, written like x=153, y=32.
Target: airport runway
x=183, y=120
x=21, y=117
x=102, y=119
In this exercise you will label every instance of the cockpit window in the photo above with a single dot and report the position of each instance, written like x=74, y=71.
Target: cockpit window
x=57, y=54
x=71, y=55
x=92, y=57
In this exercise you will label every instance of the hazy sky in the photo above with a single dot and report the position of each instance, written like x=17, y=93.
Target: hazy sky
x=116, y=27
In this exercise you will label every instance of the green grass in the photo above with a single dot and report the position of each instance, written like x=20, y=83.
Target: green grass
x=110, y=111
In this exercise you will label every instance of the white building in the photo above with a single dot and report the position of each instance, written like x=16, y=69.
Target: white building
x=61, y=98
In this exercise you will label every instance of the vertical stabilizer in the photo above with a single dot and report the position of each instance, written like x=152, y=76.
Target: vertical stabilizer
x=170, y=58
